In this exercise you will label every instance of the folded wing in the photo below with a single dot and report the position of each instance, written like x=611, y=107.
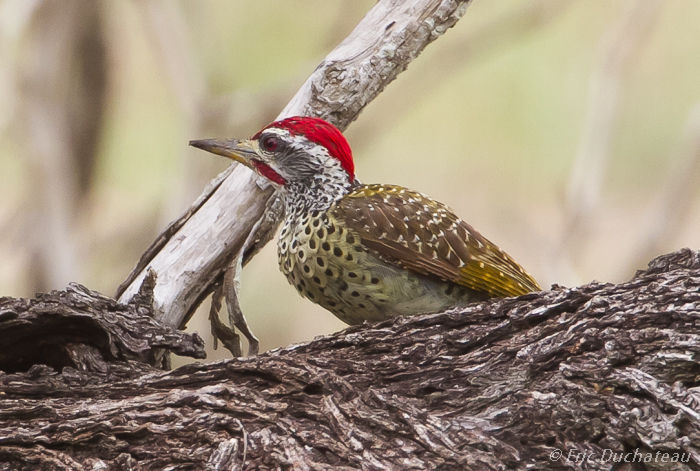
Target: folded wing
x=420, y=234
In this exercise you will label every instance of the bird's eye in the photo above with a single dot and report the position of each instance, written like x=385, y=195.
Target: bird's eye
x=270, y=143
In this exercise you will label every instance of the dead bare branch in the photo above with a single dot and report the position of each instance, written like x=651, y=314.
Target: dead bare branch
x=199, y=246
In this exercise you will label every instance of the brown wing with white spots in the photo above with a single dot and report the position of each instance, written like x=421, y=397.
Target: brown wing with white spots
x=421, y=234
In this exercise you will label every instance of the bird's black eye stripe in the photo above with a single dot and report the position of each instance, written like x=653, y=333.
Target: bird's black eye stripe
x=270, y=143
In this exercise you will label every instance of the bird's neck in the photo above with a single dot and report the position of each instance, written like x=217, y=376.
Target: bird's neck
x=318, y=195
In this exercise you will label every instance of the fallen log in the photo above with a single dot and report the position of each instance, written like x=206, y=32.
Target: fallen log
x=571, y=378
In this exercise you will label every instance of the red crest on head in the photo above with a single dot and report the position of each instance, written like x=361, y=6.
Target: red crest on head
x=321, y=132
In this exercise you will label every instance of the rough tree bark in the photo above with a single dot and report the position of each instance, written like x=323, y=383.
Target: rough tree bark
x=606, y=370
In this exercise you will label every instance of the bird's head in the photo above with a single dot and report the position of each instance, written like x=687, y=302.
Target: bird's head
x=293, y=152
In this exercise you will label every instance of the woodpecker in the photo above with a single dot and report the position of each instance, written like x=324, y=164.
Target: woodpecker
x=367, y=252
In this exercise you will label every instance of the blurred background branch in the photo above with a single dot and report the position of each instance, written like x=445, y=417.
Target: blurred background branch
x=61, y=87
x=564, y=130
x=677, y=195
x=501, y=31
x=618, y=51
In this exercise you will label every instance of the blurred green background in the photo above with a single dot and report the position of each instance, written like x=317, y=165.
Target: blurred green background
x=566, y=132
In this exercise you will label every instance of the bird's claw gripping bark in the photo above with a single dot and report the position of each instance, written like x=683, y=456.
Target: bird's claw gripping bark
x=260, y=234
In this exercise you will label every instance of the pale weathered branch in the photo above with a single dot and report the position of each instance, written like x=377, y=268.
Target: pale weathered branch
x=191, y=256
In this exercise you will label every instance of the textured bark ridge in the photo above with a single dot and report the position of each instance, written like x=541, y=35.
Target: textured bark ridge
x=81, y=329
x=564, y=379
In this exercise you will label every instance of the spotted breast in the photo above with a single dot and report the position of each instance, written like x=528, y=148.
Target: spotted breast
x=382, y=251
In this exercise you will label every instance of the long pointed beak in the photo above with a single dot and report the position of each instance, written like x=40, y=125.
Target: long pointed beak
x=240, y=150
